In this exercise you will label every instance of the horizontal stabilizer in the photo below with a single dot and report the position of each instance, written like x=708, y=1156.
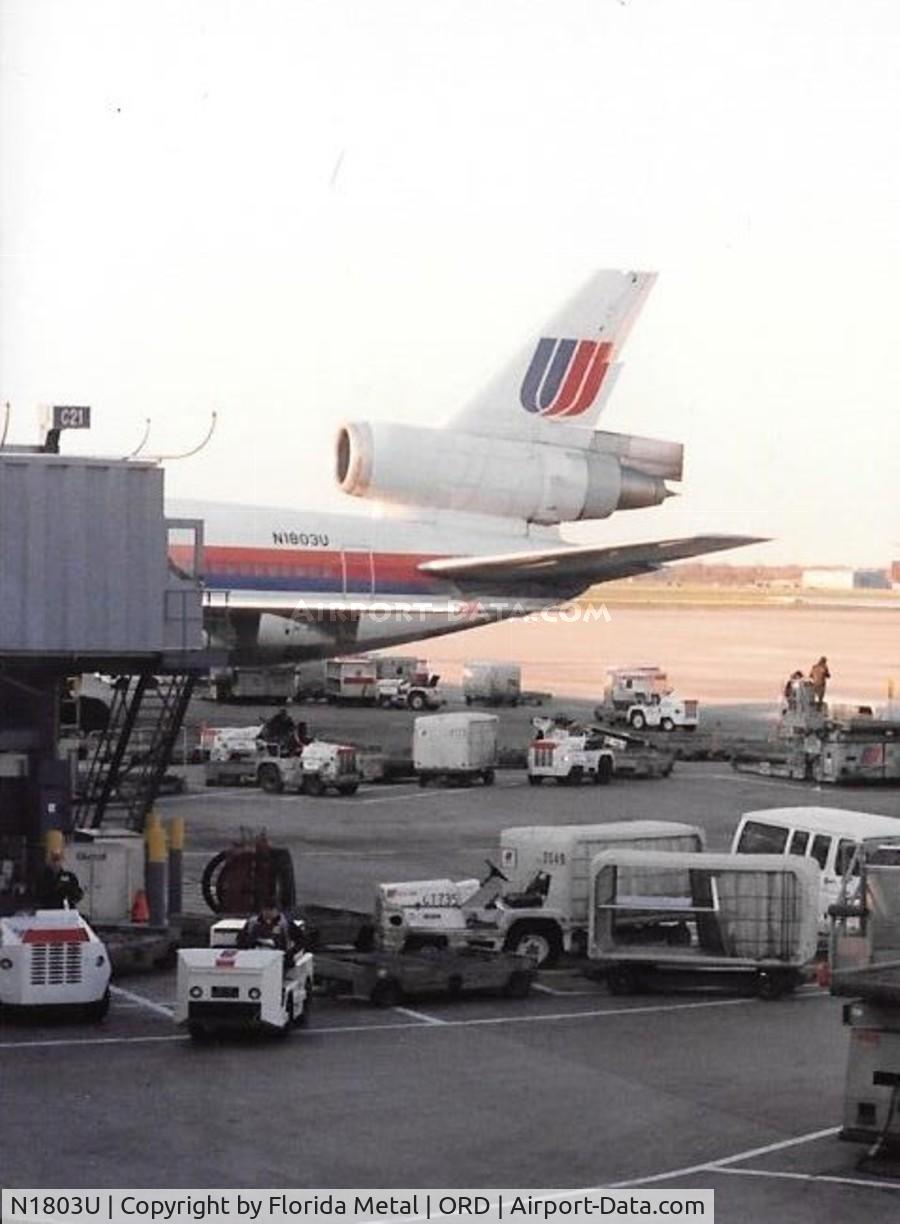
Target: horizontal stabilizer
x=579, y=567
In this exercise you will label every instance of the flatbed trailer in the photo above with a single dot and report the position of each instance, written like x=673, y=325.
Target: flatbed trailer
x=386, y=978
x=860, y=752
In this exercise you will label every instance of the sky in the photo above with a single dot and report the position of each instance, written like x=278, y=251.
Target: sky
x=295, y=213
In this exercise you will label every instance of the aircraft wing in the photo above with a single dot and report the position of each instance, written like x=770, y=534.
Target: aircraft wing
x=576, y=567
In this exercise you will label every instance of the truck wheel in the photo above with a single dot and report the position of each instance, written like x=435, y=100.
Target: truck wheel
x=637, y=720
x=423, y=780
x=313, y=785
x=540, y=941
x=386, y=993
x=535, y=779
x=416, y=701
x=667, y=724
x=302, y=1015
x=771, y=985
x=518, y=986
x=348, y=788
x=488, y=776
x=622, y=980
x=604, y=773
x=270, y=780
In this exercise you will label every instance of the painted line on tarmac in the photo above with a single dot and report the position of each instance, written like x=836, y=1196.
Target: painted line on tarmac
x=425, y=1022
x=884, y=1184
x=88, y=1041
x=418, y=793
x=417, y=1015
x=563, y=994
x=229, y=792
x=138, y=1000
x=541, y=1018
x=713, y=1166
x=759, y=779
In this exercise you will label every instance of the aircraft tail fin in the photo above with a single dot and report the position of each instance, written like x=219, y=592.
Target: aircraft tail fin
x=564, y=376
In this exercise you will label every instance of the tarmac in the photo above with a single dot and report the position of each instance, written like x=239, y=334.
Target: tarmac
x=569, y=1088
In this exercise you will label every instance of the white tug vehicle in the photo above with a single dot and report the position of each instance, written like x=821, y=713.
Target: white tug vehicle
x=567, y=753
x=227, y=988
x=53, y=958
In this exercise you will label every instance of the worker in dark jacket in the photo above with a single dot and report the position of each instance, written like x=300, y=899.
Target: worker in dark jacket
x=280, y=730
x=57, y=887
x=270, y=928
x=820, y=675
x=267, y=929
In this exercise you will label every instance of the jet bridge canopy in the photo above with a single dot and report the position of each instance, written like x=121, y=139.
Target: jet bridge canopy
x=83, y=563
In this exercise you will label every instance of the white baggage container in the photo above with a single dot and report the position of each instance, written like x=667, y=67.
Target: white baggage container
x=492, y=683
x=455, y=747
x=701, y=917
x=564, y=853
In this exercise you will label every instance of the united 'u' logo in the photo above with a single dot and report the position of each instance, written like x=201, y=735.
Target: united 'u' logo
x=564, y=376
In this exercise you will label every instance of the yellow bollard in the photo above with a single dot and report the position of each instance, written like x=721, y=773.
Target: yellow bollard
x=53, y=840
x=155, y=873
x=176, y=861
x=176, y=833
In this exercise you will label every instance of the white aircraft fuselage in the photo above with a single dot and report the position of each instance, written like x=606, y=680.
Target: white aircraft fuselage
x=286, y=585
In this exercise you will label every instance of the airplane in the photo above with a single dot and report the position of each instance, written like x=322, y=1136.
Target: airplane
x=467, y=529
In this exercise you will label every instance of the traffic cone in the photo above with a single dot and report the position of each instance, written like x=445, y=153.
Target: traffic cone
x=140, y=910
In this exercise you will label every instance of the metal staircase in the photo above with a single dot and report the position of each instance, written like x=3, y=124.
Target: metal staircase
x=130, y=758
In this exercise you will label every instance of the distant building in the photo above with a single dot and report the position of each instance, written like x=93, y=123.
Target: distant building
x=842, y=578
x=872, y=579
x=828, y=578
x=895, y=574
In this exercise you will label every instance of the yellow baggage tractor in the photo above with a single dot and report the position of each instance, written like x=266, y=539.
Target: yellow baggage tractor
x=674, y=919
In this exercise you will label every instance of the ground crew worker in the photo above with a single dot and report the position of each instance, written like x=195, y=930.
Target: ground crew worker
x=790, y=688
x=58, y=887
x=820, y=675
x=270, y=928
x=280, y=730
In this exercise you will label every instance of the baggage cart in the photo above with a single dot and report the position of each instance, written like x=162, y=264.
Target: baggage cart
x=386, y=978
x=702, y=919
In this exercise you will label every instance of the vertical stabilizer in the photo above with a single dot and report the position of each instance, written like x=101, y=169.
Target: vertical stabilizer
x=565, y=374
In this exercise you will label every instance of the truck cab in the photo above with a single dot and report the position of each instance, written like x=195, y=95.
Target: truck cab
x=569, y=754
x=643, y=698
x=317, y=768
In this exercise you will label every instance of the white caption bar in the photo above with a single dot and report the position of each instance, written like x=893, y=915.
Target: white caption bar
x=350, y=1206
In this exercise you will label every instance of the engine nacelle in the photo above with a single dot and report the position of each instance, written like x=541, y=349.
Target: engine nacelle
x=451, y=470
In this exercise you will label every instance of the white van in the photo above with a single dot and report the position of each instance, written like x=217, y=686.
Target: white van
x=827, y=836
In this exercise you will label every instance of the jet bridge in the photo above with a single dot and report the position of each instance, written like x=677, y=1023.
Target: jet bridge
x=86, y=586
